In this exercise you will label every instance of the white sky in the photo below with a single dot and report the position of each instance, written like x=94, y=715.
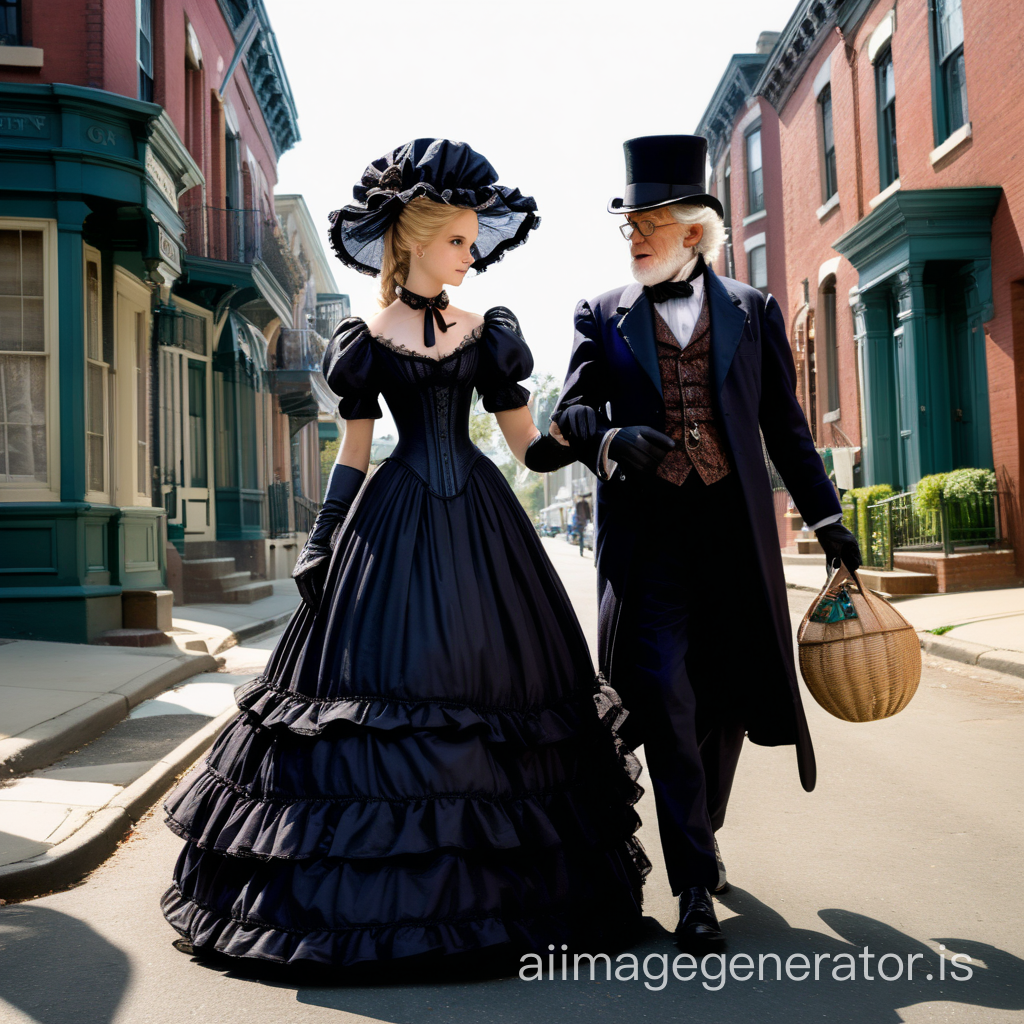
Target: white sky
x=547, y=91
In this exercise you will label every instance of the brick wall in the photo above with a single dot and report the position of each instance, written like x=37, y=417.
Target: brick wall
x=995, y=82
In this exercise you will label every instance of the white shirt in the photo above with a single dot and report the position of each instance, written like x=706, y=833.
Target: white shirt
x=681, y=317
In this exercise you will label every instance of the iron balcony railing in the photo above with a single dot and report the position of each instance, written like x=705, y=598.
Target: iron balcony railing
x=900, y=523
x=235, y=236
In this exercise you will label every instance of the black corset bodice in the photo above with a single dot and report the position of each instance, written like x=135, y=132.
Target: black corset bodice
x=430, y=398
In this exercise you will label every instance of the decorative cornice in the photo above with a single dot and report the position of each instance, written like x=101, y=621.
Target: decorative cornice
x=801, y=39
x=266, y=73
x=734, y=88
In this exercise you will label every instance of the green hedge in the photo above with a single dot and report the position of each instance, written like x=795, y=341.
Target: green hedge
x=855, y=518
x=963, y=483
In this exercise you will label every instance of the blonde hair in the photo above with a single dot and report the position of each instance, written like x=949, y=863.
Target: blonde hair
x=419, y=223
x=714, y=228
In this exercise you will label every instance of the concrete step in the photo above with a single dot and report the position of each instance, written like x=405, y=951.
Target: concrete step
x=207, y=568
x=898, y=583
x=789, y=558
x=808, y=546
x=248, y=592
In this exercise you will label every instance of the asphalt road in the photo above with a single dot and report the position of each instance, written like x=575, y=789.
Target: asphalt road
x=911, y=840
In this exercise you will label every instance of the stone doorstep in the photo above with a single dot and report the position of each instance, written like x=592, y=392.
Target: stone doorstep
x=132, y=638
x=208, y=568
x=898, y=583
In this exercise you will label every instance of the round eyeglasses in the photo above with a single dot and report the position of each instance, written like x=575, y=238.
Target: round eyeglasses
x=645, y=227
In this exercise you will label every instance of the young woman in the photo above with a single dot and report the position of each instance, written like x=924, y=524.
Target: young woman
x=427, y=766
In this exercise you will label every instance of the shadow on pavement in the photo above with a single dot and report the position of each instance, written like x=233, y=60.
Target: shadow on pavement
x=997, y=980
x=57, y=970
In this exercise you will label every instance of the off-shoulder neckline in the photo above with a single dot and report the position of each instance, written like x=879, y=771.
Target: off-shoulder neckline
x=470, y=339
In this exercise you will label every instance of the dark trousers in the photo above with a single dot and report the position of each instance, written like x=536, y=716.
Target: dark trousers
x=687, y=671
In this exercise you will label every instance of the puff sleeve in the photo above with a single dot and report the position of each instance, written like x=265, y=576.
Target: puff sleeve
x=505, y=359
x=349, y=370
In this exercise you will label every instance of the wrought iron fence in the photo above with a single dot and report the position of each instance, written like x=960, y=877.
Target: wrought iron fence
x=900, y=523
x=278, y=495
x=305, y=513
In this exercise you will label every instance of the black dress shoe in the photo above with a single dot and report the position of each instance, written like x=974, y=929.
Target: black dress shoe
x=698, y=931
x=723, y=882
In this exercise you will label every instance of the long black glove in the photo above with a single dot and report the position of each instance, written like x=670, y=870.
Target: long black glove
x=544, y=454
x=310, y=569
x=640, y=448
x=577, y=423
x=838, y=543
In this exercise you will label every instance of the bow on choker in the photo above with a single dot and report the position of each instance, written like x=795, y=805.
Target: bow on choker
x=665, y=290
x=433, y=309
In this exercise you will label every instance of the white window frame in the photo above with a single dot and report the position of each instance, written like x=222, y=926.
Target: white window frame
x=100, y=495
x=32, y=490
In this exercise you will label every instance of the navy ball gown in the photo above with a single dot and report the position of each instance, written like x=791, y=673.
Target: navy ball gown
x=428, y=764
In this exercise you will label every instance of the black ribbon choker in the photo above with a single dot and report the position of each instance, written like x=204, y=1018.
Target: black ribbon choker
x=432, y=315
x=665, y=290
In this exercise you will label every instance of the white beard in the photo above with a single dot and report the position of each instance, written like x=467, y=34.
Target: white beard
x=654, y=272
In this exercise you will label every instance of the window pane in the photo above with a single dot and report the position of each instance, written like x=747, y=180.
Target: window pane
x=23, y=418
x=826, y=118
x=10, y=262
x=21, y=291
x=758, y=267
x=197, y=422
x=950, y=17
x=956, y=92
x=92, y=311
x=887, y=80
x=754, y=151
x=141, y=405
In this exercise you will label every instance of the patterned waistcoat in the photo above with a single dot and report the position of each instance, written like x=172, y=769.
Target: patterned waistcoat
x=689, y=412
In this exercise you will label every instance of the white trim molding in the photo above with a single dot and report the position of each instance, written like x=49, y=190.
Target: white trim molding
x=955, y=141
x=824, y=75
x=828, y=269
x=827, y=207
x=749, y=117
x=882, y=34
x=884, y=194
x=831, y=417
x=753, y=242
x=754, y=216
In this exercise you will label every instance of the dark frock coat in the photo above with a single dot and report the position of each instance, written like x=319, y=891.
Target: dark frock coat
x=614, y=370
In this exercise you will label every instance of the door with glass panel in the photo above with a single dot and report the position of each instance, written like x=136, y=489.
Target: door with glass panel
x=185, y=426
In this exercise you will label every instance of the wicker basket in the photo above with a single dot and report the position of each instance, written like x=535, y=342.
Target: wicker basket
x=864, y=664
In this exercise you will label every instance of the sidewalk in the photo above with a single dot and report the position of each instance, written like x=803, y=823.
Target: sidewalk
x=127, y=733
x=981, y=627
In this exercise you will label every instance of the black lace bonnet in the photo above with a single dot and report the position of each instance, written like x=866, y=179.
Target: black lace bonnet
x=446, y=172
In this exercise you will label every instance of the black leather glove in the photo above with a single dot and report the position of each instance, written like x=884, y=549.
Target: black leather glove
x=310, y=570
x=577, y=423
x=640, y=448
x=838, y=543
x=544, y=454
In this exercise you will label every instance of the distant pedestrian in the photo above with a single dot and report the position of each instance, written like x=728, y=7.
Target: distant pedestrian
x=582, y=518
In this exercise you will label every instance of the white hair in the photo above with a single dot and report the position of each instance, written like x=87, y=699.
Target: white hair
x=714, y=228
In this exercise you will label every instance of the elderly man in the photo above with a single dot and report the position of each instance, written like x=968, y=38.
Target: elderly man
x=672, y=384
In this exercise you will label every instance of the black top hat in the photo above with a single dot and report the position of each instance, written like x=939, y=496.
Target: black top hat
x=664, y=169
x=446, y=172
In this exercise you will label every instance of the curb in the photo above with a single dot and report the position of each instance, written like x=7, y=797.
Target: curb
x=44, y=743
x=253, y=629
x=997, y=659
x=68, y=862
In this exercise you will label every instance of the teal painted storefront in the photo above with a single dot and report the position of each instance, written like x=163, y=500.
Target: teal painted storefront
x=75, y=161
x=925, y=291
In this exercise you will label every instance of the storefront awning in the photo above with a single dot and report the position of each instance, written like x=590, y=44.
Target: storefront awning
x=241, y=347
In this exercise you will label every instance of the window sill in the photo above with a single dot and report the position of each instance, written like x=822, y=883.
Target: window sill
x=831, y=417
x=954, y=142
x=884, y=194
x=754, y=216
x=21, y=57
x=828, y=206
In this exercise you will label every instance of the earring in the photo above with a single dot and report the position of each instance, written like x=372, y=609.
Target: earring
x=419, y=254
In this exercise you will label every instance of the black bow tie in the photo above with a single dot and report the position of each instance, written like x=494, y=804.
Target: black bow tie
x=666, y=290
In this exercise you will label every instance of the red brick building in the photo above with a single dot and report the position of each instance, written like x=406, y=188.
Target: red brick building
x=161, y=385
x=904, y=279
